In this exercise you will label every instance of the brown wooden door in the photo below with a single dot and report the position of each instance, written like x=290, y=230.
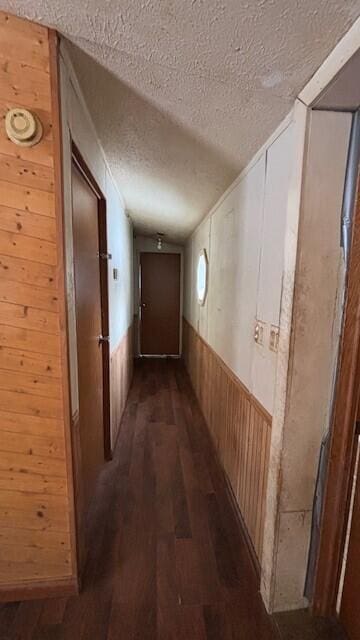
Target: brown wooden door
x=349, y=611
x=160, y=303
x=88, y=328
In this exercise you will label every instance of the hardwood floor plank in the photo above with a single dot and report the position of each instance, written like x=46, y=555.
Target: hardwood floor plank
x=53, y=612
x=165, y=451
x=217, y=623
x=26, y=619
x=7, y=615
x=181, y=513
x=188, y=572
x=167, y=586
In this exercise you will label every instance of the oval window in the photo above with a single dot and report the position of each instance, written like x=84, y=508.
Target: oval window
x=202, y=277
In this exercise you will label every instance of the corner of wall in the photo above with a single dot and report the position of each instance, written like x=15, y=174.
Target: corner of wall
x=309, y=310
x=272, y=517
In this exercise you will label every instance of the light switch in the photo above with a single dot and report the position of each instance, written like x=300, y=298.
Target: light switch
x=274, y=338
x=115, y=273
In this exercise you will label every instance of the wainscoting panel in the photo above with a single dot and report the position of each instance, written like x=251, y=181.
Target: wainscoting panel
x=121, y=370
x=240, y=428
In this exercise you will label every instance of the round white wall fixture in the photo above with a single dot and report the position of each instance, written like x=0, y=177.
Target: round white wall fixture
x=202, y=277
x=23, y=127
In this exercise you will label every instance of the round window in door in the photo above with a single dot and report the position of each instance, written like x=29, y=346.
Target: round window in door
x=202, y=277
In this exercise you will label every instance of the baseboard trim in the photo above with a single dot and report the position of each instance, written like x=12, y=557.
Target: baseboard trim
x=238, y=515
x=39, y=589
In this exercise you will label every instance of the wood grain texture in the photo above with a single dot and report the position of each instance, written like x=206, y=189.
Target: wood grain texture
x=339, y=467
x=121, y=371
x=88, y=328
x=145, y=575
x=36, y=513
x=349, y=614
x=160, y=303
x=85, y=187
x=239, y=426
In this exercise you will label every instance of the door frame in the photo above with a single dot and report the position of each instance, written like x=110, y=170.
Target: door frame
x=341, y=451
x=78, y=160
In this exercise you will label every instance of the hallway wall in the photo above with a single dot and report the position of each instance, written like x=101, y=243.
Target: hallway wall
x=78, y=126
x=37, y=550
x=244, y=239
x=274, y=255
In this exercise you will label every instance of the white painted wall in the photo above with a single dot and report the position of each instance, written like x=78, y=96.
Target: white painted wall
x=120, y=245
x=196, y=314
x=77, y=125
x=144, y=244
x=235, y=258
x=244, y=239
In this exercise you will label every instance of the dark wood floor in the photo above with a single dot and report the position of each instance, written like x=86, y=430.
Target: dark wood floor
x=167, y=560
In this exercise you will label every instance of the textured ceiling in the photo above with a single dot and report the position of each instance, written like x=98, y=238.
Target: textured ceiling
x=185, y=91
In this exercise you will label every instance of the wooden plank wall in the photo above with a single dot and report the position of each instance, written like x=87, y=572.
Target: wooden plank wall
x=36, y=512
x=121, y=371
x=240, y=428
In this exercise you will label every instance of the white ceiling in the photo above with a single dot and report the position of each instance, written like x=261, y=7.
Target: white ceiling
x=185, y=91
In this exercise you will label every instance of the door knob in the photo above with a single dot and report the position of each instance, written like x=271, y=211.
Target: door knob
x=143, y=304
x=103, y=339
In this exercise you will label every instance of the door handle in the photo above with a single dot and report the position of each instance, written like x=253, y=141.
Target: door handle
x=103, y=339
x=143, y=304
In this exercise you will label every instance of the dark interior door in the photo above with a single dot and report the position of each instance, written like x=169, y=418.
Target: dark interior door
x=349, y=612
x=88, y=329
x=160, y=303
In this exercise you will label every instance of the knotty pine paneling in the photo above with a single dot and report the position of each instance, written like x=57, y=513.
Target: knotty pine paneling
x=121, y=370
x=239, y=426
x=36, y=503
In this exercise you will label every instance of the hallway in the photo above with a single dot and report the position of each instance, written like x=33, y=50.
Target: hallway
x=167, y=560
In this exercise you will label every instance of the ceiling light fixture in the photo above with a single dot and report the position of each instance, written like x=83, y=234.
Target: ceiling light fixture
x=159, y=241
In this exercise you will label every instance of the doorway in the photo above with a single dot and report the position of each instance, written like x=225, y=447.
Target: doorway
x=92, y=327
x=337, y=580
x=160, y=304
x=349, y=613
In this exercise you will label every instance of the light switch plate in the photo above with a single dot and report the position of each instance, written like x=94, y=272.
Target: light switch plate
x=115, y=273
x=274, y=338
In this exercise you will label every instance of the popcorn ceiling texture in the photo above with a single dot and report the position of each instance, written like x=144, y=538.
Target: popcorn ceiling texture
x=184, y=92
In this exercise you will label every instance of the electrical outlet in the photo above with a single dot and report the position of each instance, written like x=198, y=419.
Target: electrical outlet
x=259, y=332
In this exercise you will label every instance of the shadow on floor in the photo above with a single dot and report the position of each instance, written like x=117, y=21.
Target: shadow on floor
x=300, y=625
